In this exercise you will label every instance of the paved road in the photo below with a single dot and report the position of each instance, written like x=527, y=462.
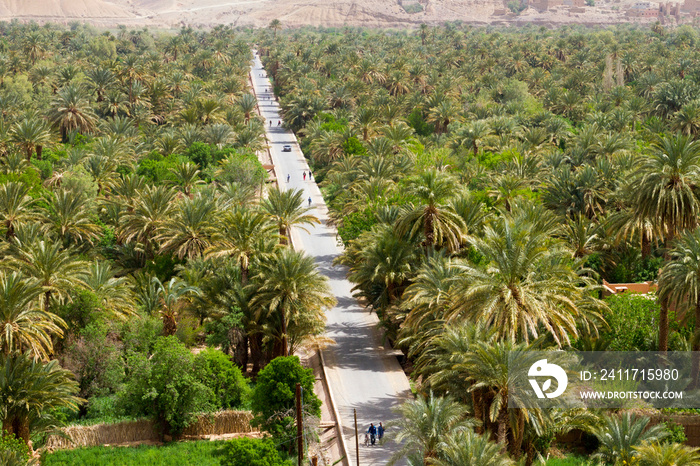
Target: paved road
x=361, y=372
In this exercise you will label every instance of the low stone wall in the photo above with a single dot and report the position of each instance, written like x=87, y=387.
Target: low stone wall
x=222, y=422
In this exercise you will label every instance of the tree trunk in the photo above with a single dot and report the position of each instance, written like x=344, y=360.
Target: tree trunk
x=256, y=351
x=503, y=429
x=663, y=326
x=695, y=367
x=169, y=324
x=283, y=235
x=285, y=349
x=429, y=228
x=18, y=426
x=39, y=151
x=241, y=351
x=516, y=446
x=646, y=246
x=477, y=402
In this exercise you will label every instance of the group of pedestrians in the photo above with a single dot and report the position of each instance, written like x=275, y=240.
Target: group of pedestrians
x=375, y=432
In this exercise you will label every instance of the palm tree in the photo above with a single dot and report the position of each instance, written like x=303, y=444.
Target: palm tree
x=69, y=217
x=113, y=292
x=292, y=296
x=427, y=421
x=30, y=134
x=189, y=232
x=15, y=206
x=470, y=136
x=57, y=271
x=665, y=192
x=239, y=237
x=381, y=264
x=247, y=103
x=275, y=25
x=667, y=454
x=620, y=435
x=151, y=210
x=665, y=188
x=187, y=176
x=438, y=222
x=24, y=325
x=465, y=448
x=687, y=119
x=100, y=80
x=527, y=283
x=285, y=209
x=173, y=297
x=32, y=393
x=679, y=284
x=71, y=111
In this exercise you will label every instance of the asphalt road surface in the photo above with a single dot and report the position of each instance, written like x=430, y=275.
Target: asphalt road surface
x=361, y=371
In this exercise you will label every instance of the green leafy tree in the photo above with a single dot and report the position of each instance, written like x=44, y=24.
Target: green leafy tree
x=273, y=397
x=166, y=387
x=217, y=372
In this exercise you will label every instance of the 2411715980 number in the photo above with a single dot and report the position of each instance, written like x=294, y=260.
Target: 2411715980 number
x=638, y=374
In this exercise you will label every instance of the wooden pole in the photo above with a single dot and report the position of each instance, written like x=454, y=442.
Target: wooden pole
x=314, y=460
x=300, y=428
x=357, y=439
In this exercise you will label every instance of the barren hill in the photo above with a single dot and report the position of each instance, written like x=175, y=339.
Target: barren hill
x=292, y=13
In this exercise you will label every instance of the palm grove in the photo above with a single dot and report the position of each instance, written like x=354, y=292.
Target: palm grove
x=485, y=183
x=132, y=229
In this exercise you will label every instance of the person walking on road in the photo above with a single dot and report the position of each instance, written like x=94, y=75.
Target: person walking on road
x=311, y=177
x=372, y=431
x=309, y=201
x=279, y=122
x=288, y=177
x=380, y=431
x=270, y=123
x=304, y=175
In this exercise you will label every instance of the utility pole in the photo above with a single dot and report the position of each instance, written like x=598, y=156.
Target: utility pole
x=300, y=428
x=357, y=439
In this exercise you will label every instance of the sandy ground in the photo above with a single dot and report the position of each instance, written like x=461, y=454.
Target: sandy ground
x=292, y=13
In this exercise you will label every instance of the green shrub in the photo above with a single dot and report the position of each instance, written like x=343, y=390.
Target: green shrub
x=217, y=372
x=676, y=433
x=166, y=387
x=355, y=224
x=200, y=153
x=13, y=449
x=273, y=396
x=252, y=452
